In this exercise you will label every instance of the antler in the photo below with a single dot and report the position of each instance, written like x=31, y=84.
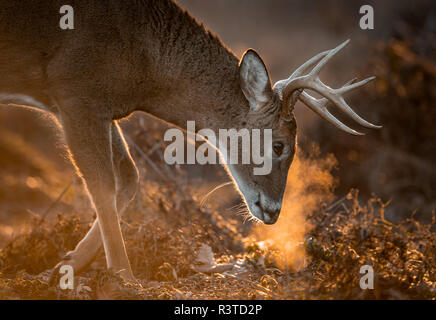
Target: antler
x=298, y=81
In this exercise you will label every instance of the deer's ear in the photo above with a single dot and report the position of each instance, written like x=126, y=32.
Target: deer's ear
x=254, y=78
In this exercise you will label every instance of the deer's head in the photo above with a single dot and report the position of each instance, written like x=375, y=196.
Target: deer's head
x=271, y=107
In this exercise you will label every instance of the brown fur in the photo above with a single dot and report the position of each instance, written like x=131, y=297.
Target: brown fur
x=126, y=56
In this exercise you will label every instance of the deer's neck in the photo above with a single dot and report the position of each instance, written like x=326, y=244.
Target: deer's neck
x=197, y=77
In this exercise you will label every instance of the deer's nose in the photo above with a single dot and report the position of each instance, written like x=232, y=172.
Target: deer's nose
x=270, y=217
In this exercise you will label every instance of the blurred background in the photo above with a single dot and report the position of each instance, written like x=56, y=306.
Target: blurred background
x=395, y=163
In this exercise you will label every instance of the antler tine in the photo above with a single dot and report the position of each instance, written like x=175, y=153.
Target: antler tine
x=312, y=81
x=308, y=64
x=350, y=86
x=312, y=78
x=319, y=107
x=279, y=85
x=330, y=55
x=335, y=98
x=338, y=100
x=326, y=101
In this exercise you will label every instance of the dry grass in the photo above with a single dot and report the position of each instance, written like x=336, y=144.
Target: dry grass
x=164, y=251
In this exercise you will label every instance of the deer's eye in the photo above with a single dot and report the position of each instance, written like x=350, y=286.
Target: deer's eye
x=278, y=148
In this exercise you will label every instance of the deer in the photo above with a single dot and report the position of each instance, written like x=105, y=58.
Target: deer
x=150, y=56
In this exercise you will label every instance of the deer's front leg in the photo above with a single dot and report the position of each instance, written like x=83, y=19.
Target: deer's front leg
x=127, y=180
x=89, y=139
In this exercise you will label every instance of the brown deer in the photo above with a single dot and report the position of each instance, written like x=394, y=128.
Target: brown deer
x=150, y=56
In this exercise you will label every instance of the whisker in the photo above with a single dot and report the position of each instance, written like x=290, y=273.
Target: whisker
x=213, y=190
x=242, y=210
x=237, y=206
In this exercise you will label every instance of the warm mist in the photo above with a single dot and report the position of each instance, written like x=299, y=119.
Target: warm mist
x=310, y=185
